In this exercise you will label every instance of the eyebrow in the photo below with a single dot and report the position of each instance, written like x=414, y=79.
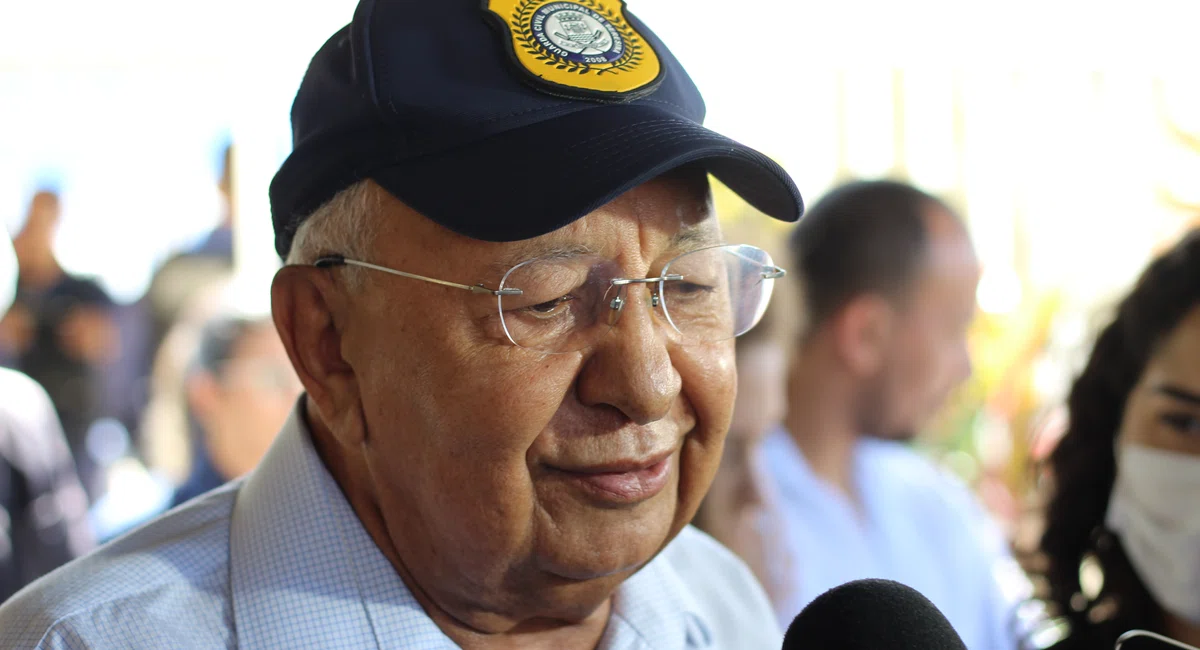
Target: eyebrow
x=696, y=236
x=1178, y=393
x=688, y=238
x=539, y=250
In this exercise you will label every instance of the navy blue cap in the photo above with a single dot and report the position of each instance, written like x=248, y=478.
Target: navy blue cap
x=503, y=119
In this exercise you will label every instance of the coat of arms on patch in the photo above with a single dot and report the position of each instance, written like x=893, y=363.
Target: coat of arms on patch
x=584, y=48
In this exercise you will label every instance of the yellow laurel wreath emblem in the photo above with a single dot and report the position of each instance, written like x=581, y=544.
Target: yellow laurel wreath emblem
x=636, y=69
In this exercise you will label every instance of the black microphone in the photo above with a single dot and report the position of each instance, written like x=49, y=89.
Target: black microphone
x=1143, y=640
x=871, y=615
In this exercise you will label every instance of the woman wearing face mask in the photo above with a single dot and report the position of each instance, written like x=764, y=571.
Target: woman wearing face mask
x=1127, y=472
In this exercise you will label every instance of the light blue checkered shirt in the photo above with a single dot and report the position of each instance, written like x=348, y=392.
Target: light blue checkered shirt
x=279, y=560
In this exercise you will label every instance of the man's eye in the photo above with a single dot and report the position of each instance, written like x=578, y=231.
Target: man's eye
x=686, y=288
x=1183, y=423
x=687, y=291
x=550, y=308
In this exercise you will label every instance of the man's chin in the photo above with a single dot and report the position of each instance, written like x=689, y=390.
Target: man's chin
x=580, y=573
x=578, y=540
x=596, y=564
x=612, y=553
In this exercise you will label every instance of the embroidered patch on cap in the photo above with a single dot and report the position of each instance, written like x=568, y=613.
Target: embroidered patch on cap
x=579, y=48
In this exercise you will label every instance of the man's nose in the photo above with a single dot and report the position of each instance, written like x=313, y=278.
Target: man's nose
x=630, y=369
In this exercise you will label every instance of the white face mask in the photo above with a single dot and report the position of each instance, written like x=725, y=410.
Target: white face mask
x=1155, y=510
x=8, y=273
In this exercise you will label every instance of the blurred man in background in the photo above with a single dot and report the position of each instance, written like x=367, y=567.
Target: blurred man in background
x=889, y=277
x=218, y=243
x=239, y=390
x=221, y=388
x=60, y=330
x=42, y=504
x=184, y=275
x=175, y=284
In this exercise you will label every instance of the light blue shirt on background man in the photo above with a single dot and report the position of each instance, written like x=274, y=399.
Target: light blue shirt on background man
x=916, y=525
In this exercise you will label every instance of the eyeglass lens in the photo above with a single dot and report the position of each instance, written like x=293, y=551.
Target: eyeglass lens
x=567, y=303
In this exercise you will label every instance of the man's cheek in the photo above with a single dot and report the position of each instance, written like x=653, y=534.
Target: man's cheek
x=512, y=407
x=710, y=367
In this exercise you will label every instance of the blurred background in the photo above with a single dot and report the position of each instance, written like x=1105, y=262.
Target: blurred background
x=1067, y=133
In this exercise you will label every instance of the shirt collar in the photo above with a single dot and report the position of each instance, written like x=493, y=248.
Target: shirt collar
x=795, y=478
x=654, y=608
x=304, y=572
x=294, y=537
x=788, y=466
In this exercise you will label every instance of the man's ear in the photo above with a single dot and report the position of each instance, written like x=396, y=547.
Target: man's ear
x=310, y=314
x=863, y=333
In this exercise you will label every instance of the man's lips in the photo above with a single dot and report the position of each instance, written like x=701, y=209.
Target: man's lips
x=623, y=481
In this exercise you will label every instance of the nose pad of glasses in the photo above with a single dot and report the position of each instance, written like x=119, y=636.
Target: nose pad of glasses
x=615, y=299
x=618, y=303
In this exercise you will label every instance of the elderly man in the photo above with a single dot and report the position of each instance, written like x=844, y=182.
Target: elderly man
x=512, y=312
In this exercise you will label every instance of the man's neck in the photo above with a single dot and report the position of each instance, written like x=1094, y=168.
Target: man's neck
x=820, y=423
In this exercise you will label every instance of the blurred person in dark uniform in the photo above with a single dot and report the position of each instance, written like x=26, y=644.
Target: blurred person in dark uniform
x=42, y=504
x=145, y=324
x=184, y=275
x=60, y=330
x=219, y=242
x=1125, y=477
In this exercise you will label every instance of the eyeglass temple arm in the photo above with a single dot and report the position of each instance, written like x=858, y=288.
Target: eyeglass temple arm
x=769, y=272
x=339, y=260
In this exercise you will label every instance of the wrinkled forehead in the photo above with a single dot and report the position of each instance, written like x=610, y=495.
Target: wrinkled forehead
x=668, y=215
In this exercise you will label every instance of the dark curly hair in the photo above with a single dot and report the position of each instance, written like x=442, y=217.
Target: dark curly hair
x=1083, y=465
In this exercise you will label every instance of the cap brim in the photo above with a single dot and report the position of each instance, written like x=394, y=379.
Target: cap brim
x=533, y=180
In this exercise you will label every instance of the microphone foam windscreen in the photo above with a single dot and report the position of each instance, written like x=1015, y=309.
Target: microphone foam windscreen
x=874, y=615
